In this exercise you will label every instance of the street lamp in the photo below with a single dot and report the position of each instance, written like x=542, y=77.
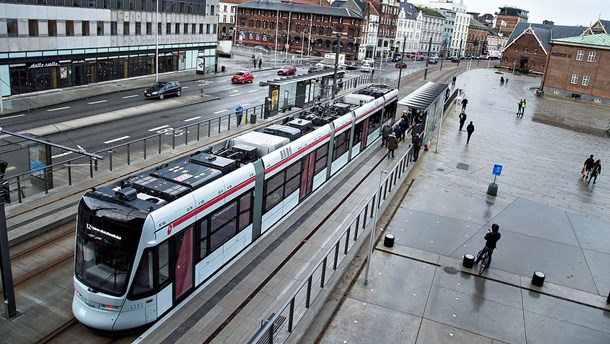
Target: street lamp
x=335, y=85
x=375, y=211
x=5, y=257
x=157, y=44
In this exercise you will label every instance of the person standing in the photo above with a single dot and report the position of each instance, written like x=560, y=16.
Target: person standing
x=462, y=120
x=260, y=63
x=491, y=239
x=392, y=144
x=254, y=61
x=523, y=104
x=404, y=126
x=595, y=171
x=519, y=107
x=396, y=131
x=587, y=167
x=239, y=113
x=385, y=133
x=470, y=130
x=464, y=103
x=417, y=142
x=453, y=81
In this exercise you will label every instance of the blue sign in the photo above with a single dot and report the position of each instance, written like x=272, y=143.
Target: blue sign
x=497, y=170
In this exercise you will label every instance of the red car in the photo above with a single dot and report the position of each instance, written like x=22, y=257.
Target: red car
x=242, y=77
x=287, y=70
x=400, y=65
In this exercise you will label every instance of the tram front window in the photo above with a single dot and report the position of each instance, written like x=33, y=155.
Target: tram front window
x=105, y=250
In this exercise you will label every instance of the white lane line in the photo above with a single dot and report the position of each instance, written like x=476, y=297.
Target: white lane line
x=56, y=109
x=246, y=104
x=253, y=91
x=97, y=102
x=59, y=155
x=131, y=96
x=192, y=119
x=7, y=117
x=117, y=139
x=262, y=101
x=217, y=112
x=183, y=87
x=235, y=94
x=158, y=128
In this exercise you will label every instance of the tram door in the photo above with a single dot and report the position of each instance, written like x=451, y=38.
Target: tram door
x=365, y=134
x=307, y=173
x=183, y=243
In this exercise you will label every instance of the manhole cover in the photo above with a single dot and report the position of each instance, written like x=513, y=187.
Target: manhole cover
x=450, y=270
x=463, y=166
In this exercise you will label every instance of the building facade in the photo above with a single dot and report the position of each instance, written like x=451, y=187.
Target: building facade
x=447, y=29
x=408, y=30
x=51, y=44
x=226, y=19
x=508, y=17
x=369, y=33
x=579, y=67
x=476, y=40
x=386, y=35
x=432, y=31
x=461, y=20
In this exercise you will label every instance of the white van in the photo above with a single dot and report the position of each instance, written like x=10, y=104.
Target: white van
x=366, y=68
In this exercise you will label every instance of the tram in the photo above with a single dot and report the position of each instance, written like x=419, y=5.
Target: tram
x=144, y=243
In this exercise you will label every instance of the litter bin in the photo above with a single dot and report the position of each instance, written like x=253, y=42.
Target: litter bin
x=538, y=278
x=388, y=241
x=468, y=261
x=223, y=68
x=253, y=118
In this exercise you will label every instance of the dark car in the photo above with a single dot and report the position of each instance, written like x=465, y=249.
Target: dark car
x=287, y=70
x=419, y=58
x=455, y=59
x=163, y=88
x=351, y=65
x=242, y=77
x=400, y=65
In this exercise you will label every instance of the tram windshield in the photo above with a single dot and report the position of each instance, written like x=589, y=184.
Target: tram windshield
x=106, y=243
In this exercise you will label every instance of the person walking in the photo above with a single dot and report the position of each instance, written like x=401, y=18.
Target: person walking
x=254, y=61
x=470, y=130
x=403, y=128
x=595, y=171
x=464, y=103
x=417, y=142
x=260, y=63
x=586, y=169
x=519, y=107
x=392, y=144
x=385, y=133
x=523, y=104
x=239, y=113
x=501, y=80
x=491, y=239
x=462, y=120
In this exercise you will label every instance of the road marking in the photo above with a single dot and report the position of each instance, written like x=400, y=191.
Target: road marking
x=117, y=139
x=262, y=100
x=134, y=95
x=217, y=112
x=97, y=102
x=60, y=155
x=56, y=109
x=246, y=104
x=184, y=87
x=192, y=119
x=253, y=91
x=14, y=116
x=235, y=94
x=158, y=128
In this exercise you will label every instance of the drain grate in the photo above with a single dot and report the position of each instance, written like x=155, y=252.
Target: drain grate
x=450, y=270
x=464, y=167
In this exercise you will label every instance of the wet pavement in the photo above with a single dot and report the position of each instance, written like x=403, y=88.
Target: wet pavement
x=551, y=221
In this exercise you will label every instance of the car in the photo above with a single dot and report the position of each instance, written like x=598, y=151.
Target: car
x=316, y=67
x=242, y=77
x=161, y=89
x=366, y=68
x=287, y=70
x=432, y=60
x=400, y=65
x=455, y=59
x=419, y=58
x=351, y=65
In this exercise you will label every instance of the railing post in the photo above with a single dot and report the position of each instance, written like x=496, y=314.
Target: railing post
x=110, y=158
x=347, y=240
x=90, y=168
x=220, y=120
x=173, y=138
x=308, y=295
x=46, y=181
x=291, y=315
x=323, y=277
x=336, y=256
x=128, y=154
x=144, y=149
x=69, y=174
x=159, y=143
x=186, y=136
x=209, y=127
x=19, y=189
x=198, y=129
x=356, y=228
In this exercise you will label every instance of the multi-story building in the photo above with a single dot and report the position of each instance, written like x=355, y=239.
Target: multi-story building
x=388, y=11
x=408, y=30
x=294, y=28
x=55, y=44
x=579, y=67
x=476, y=40
x=495, y=43
x=507, y=19
x=369, y=32
x=432, y=31
x=447, y=29
x=460, y=25
x=226, y=19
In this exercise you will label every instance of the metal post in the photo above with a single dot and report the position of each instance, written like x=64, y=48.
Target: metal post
x=335, y=88
x=373, y=228
x=10, y=308
x=277, y=23
x=157, y=43
x=428, y=58
x=402, y=55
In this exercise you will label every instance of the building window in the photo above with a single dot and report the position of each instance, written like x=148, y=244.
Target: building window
x=52, y=28
x=138, y=28
x=12, y=28
x=207, y=29
x=159, y=29
x=100, y=28
x=69, y=28
x=591, y=57
x=168, y=28
x=33, y=28
x=212, y=10
x=113, y=28
x=193, y=29
x=579, y=55
x=214, y=28
x=516, y=49
x=148, y=28
x=177, y=29
x=535, y=51
x=201, y=29
x=85, y=28
x=585, y=80
x=574, y=79
x=186, y=28
x=126, y=29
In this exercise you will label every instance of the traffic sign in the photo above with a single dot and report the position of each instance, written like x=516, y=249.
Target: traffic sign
x=497, y=170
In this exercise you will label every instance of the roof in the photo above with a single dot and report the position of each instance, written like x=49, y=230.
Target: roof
x=512, y=11
x=232, y=1
x=424, y=96
x=299, y=8
x=599, y=40
x=410, y=10
x=429, y=11
x=544, y=32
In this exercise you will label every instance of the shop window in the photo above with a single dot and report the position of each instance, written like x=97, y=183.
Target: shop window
x=85, y=28
x=100, y=28
x=113, y=28
x=574, y=79
x=579, y=55
x=33, y=28
x=591, y=57
x=585, y=80
x=69, y=28
x=126, y=29
x=52, y=28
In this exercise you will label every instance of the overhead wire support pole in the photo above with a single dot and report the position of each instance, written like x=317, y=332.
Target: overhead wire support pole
x=428, y=58
x=335, y=88
x=79, y=151
x=402, y=55
x=8, y=288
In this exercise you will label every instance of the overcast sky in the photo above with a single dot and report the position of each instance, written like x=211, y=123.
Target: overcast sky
x=562, y=12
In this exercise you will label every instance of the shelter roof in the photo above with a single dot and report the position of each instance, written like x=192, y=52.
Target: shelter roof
x=424, y=96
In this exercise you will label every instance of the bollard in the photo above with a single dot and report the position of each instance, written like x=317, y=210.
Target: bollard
x=492, y=189
x=538, y=278
x=388, y=241
x=468, y=261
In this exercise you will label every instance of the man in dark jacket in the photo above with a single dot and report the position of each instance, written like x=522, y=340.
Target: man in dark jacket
x=588, y=165
x=464, y=103
x=403, y=128
x=417, y=142
x=491, y=238
x=462, y=120
x=385, y=132
x=470, y=130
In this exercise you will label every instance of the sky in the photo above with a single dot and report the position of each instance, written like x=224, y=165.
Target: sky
x=561, y=12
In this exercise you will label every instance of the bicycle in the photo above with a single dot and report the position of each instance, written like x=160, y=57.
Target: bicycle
x=485, y=261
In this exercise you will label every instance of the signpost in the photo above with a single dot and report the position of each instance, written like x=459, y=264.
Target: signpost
x=492, y=189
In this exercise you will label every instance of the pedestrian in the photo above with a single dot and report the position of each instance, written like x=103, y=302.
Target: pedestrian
x=385, y=133
x=372, y=71
x=453, y=81
x=396, y=131
x=417, y=142
x=392, y=144
x=519, y=104
x=462, y=120
x=403, y=128
x=523, y=104
x=506, y=81
x=464, y=103
x=491, y=239
x=595, y=171
x=470, y=130
x=239, y=113
x=586, y=168
x=260, y=63
x=501, y=80
x=254, y=61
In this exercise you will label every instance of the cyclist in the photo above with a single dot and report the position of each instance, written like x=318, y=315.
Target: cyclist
x=492, y=237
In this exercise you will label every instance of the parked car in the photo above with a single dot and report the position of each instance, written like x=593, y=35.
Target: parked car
x=287, y=70
x=242, y=77
x=316, y=67
x=366, y=68
x=455, y=59
x=351, y=65
x=163, y=88
x=419, y=58
x=400, y=65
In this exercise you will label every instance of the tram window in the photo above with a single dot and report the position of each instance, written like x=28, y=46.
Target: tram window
x=341, y=143
x=144, y=278
x=274, y=190
x=245, y=210
x=321, y=157
x=293, y=178
x=374, y=121
x=163, y=262
x=203, y=239
x=223, y=225
x=358, y=133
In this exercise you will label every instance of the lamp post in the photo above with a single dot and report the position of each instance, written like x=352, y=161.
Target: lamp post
x=374, y=227
x=5, y=264
x=335, y=85
x=402, y=54
x=277, y=23
x=157, y=44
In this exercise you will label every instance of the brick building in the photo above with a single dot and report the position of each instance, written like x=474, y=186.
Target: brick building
x=297, y=27
x=508, y=18
x=579, y=67
x=476, y=40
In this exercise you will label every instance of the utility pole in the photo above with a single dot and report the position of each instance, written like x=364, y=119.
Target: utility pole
x=7, y=274
x=428, y=58
x=335, y=85
x=402, y=55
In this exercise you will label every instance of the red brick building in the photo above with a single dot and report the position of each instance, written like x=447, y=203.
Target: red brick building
x=508, y=18
x=298, y=27
x=579, y=67
x=476, y=39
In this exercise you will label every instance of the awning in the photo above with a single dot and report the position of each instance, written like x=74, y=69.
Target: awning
x=421, y=98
